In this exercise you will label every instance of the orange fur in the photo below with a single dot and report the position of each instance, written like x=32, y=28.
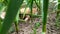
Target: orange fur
x=34, y=11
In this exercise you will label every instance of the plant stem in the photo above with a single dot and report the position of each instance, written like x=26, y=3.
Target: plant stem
x=44, y=15
x=33, y=16
x=34, y=30
x=16, y=26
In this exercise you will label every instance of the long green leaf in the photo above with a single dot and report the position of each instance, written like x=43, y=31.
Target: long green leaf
x=37, y=3
x=11, y=13
x=30, y=6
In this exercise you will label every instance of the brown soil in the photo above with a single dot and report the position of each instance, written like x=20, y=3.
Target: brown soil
x=27, y=28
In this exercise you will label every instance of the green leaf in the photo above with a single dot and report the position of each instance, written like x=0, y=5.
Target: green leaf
x=37, y=25
x=1, y=0
x=34, y=31
x=11, y=13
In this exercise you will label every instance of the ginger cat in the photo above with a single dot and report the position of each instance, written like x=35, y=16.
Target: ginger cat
x=34, y=11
